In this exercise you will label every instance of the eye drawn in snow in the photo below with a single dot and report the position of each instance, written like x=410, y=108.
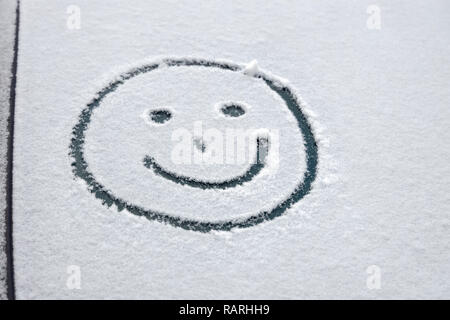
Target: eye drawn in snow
x=135, y=148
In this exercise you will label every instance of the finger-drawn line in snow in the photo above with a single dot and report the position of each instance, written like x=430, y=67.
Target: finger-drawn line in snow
x=81, y=169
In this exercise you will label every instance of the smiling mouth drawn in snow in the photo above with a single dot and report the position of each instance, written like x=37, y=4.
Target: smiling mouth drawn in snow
x=121, y=149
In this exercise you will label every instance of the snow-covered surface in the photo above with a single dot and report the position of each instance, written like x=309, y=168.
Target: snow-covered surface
x=7, y=28
x=377, y=102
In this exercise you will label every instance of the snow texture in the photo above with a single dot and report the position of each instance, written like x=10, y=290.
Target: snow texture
x=116, y=118
x=377, y=102
x=7, y=33
x=251, y=68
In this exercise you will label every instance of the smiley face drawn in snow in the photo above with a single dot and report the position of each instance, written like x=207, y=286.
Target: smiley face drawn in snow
x=124, y=144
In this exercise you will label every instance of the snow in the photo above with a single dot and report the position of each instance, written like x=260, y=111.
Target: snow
x=251, y=68
x=377, y=102
x=7, y=29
